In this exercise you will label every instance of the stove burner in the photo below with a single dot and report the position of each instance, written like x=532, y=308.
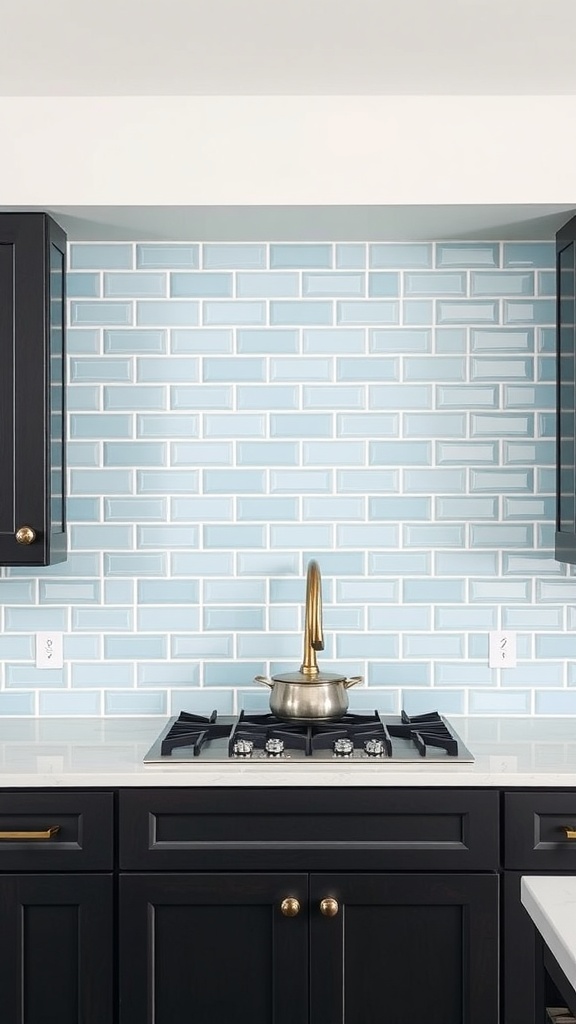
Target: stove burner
x=426, y=731
x=274, y=747
x=374, y=748
x=343, y=747
x=193, y=731
x=243, y=748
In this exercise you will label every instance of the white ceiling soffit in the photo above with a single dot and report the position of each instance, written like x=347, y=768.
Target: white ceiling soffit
x=309, y=223
x=299, y=47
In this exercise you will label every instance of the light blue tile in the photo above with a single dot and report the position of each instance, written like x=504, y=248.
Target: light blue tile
x=202, y=703
x=237, y=481
x=333, y=453
x=77, y=565
x=201, y=509
x=466, y=397
x=383, y=285
x=168, y=536
x=203, y=397
x=202, y=563
x=545, y=535
x=367, y=535
x=496, y=283
x=303, y=312
x=102, y=313
x=264, y=285
x=134, y=453
x=83, y=370
x=167, y=313
x=462, y=617
x=108, y=619
x=504, y=369
x=119, y=592
x=400, y=563
x=291, y=591
x=132, y=702
x=135, y=563
x=467, y=254
x=529, y=452
x=529, y=254
x=235, y=312
x=360, y=481
x=270, y=397
x=201, y=453
x=167, y=619
x=501, y=591
x=400, y=453
x=168, y=592
x=395, y=254
x=314, y=397
x=82, y=398
x=268, y=645
x=435, y=283
x=448, y=674
x=14, y=591
x=234, y=592
x=340, y=618
x=438, y=424
x=399, y=619
x=83, y=510
x=266, y=453
x=134, y=398
x=200, y=284
x=16, y=704
x=418, y=312
x=422, y=591
x=167, y=257
x=531, y=508
x=466, y=563
x=300, y=481
x=234, y=536
x=133, y=509
x=501, y=535
x=499, y=702
x=434, y=368
x=16, y=648
x=434, y=481
x=370, y=311
x=266, y=341
x=180, y=368
x=135, y=286
x=450, y=340
x=202, y=340
x=366, y=592
x=99, y=256
x=420, y=702
x=530, y=311
x=167, y=426
x=362, y=645
x=333, y=284
x=527, y=396
x=164, y=674
x=368, y=425
x=83, y=286
x=298, y=536
x=299, y=256
x=466, y=453
x=201, y=645
x=334, y=341
x=532, y=618
x=68, y=591
x=534, y=564
x=236, y=619
x=466, y=312
x=556, y=646
x=407, y=673
x=467, y=507
x=399, y=508
x=99, y=426
x=133, y=341
x=350, y=256
x=233, y=257
x=35, y=620
x=403, y=340
x=546, y=340
x=371, y=368
x=300, y=424
x=102, y=674
x=81, y=341
x=546, y=673
x=234, y=425
x=339, y=563
x=230, y=673
x=167, y=481
x=386, y=701
x=546, y=282
x=269, y=564
x=234, y=370
x=267, y=509
x=76, y=704
x=409, y=396
x=555, y=702
x=439, y=645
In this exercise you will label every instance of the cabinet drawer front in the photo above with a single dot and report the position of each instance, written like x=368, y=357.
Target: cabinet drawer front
x=56, y=831
x=334, y=829
x=536, y=831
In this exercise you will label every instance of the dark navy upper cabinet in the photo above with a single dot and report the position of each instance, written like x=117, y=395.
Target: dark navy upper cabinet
x=32, y=375
x=565, y=541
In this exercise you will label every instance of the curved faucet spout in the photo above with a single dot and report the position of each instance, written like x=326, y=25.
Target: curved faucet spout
x=313, y=634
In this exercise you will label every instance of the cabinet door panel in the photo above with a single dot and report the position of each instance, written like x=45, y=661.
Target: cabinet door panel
x=212, y=948
x=56, y=940
x=404, y=948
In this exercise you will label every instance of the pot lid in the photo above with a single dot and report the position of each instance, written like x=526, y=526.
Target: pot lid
x=311, y=680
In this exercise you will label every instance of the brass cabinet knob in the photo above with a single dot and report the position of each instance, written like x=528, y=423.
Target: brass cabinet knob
x=25, y=535
x=329, y=907
x=290, y=907
x=569, y=831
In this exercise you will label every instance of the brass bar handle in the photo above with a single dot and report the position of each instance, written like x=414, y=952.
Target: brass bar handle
x=329, y=907
x=569, y=831
x=46, y=833
x=290, y=907
x=25, y=535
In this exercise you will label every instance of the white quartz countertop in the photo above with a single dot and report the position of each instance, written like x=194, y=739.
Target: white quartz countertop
x=551, y=903
x=99, y=752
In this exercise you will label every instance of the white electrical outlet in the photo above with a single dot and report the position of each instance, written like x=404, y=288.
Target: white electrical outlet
x=502, y=649
x=49, y=652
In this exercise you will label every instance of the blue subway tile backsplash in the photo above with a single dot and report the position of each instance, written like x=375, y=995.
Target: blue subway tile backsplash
x=235, y=409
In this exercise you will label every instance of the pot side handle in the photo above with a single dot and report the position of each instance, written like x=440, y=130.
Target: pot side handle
x=265, y=680
x=352, y=681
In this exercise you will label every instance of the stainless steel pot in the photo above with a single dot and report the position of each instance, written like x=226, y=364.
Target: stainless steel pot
x=296, y=697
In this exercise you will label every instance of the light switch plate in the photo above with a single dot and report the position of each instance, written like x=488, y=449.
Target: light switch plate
x=502, y=649
x=49, y=650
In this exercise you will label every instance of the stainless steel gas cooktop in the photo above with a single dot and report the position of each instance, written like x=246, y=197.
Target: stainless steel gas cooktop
x=357, y=738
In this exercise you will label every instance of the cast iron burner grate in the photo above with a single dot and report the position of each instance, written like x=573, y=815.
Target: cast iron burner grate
x=426, y=731
x=311, y=736
x=193, y=731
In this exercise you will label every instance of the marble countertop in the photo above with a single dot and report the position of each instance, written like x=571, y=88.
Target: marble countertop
x=108, y=752
x=551, y=903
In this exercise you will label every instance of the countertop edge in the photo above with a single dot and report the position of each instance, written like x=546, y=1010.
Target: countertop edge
x=551, y=903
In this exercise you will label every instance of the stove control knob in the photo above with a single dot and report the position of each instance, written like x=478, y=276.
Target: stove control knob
x=343, y=747
x=243, y=748
x=374, y=748
x=274, y=747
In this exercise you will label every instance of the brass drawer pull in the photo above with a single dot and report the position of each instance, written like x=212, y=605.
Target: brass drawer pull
x=569, y=831
x=46, y=833
x=290, y=907
x=25, y=535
